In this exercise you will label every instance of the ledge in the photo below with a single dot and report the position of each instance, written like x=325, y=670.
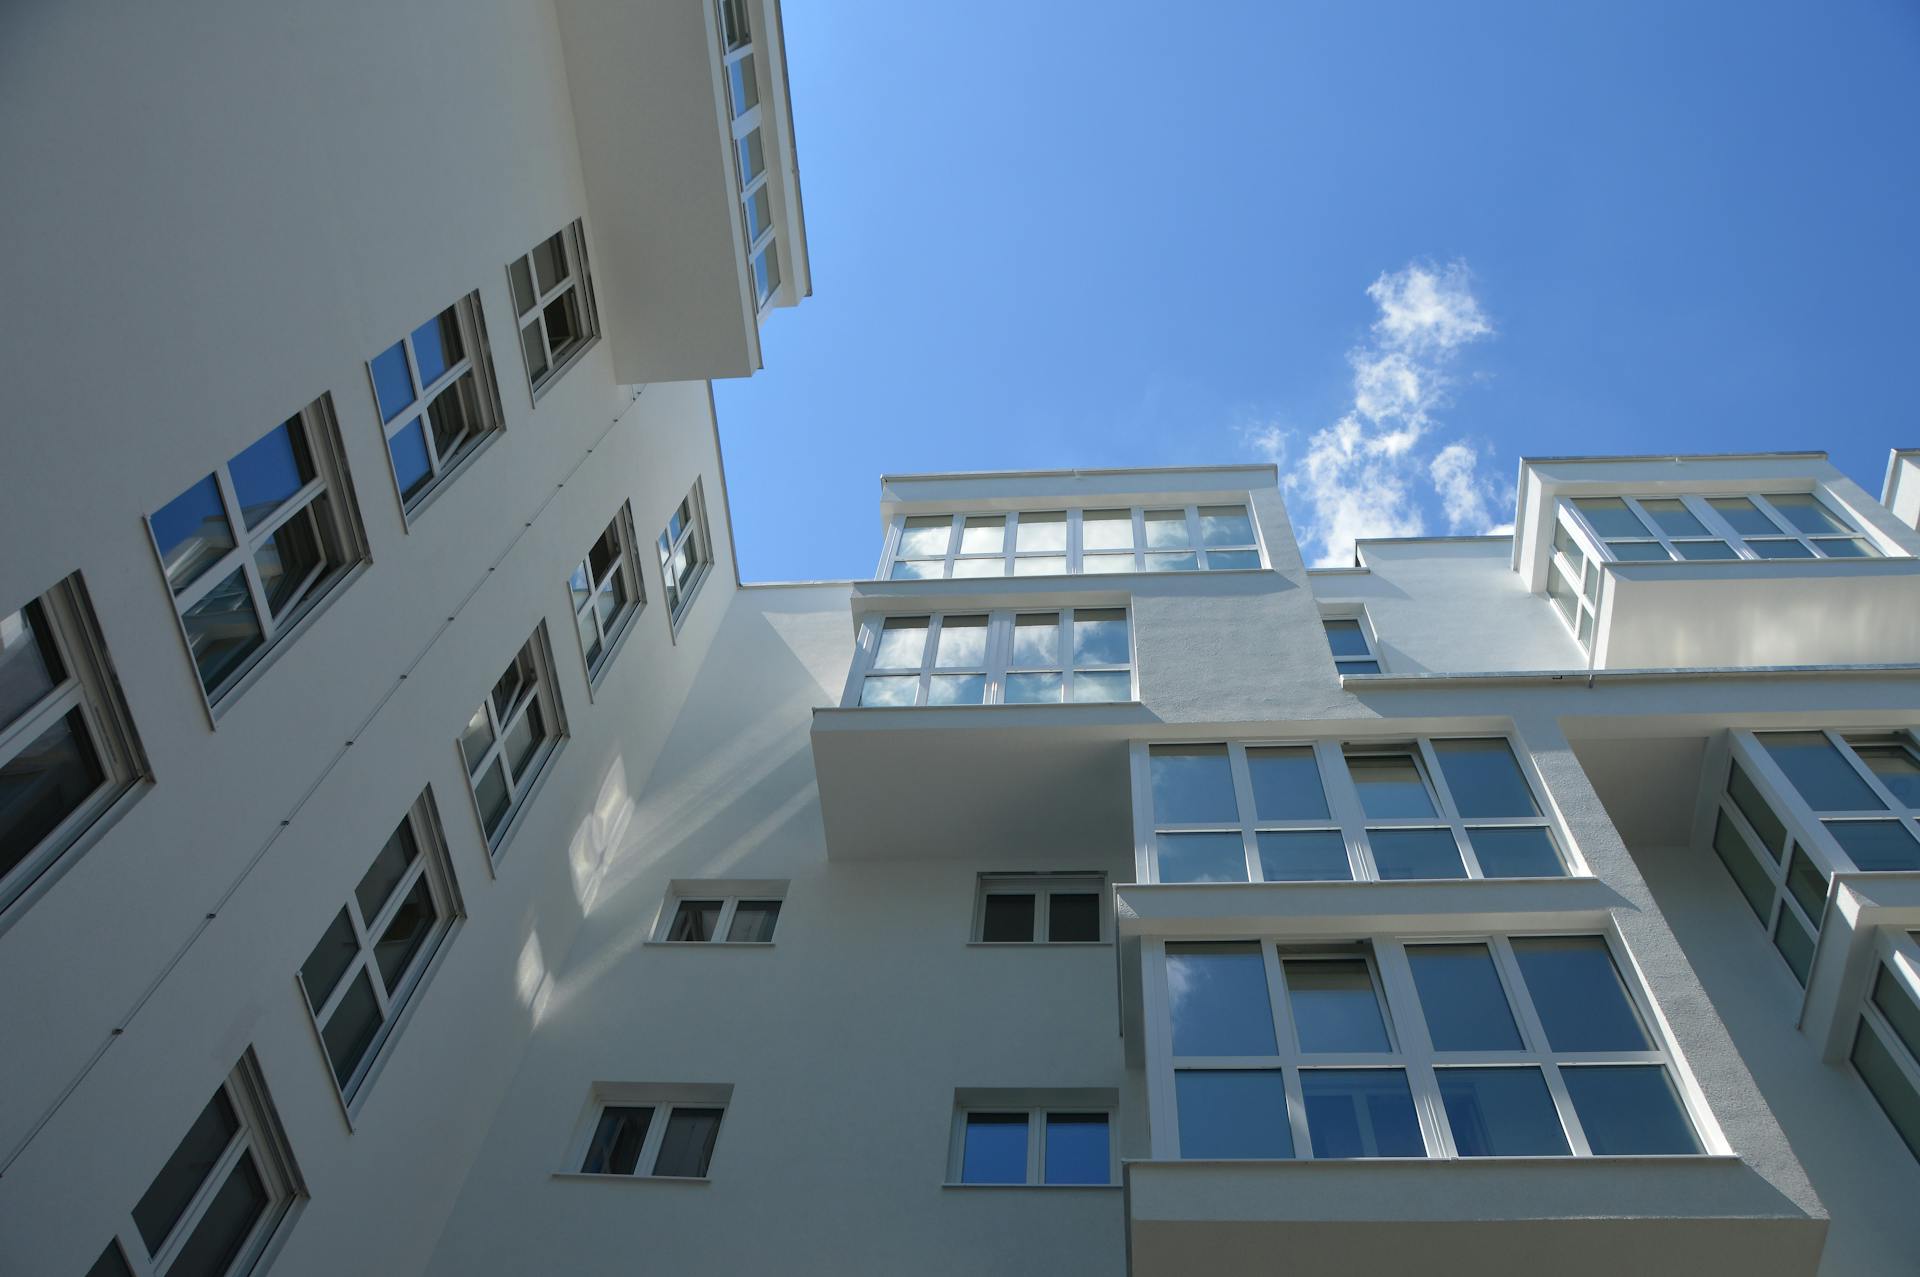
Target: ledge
x=1216, y=910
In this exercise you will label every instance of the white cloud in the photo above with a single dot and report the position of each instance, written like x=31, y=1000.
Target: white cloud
x=1463, y=494
x=1428, y=308
x=1267, y=442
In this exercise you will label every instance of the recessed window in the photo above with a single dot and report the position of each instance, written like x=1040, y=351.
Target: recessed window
x=606, y=593
x=437, y=398
x=1351, y=639
x=721, y=911
x=1886, y=1047
x=553, y=305
x=68, y=750
x=653, y=1131
x=1447, y=807
x=1079, y=655
x=376, y=950
x=253, y=547
x=1040, y=908
x=686, y=553
x=1482, y=1047
x=1051, y=542
x=1779, y=525
x=510, y=737
x=1033, y=1137
x=215, y=1204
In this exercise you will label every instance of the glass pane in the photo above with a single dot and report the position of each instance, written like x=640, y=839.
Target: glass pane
x=1699, y=551
x=1225, y=525
x=412, y=469
x=522, y=278
x=112, y=1263
x=925, y=537
x=1484, y=778
x=1077, y=1150
x=734, y=28
x=963, y=643
x=386, y=871
x=1610, y=517
x=983, y=534
x=1304, y=855
x=753, y=922
x=1334, y=1005
x=475, y=737
x=911, y=570
x=1345, y=637
x=437, y=346
x=687, y=1150
x=1187, y=562
x=1876, y=845
x=1357, y=667
x=1898, y=1006
x=1361, y=1113
x=491, y=792
x=1222, y=560
x=1286, y=783
x=1562, y=593
x=1807, y=882
x=1390, y=785
x=759, y=212
x=1563, y=541
x=1044, y=531
x=1674, y=518
x=1759, y=813
x=579, y=586
x=1795, y=943
x=454, y=415
x=1462, y=998
x=270, y=471
x=1744, y=517
x=1192, y=784
x=695, y=920
x=1106, y=530
x=223, y=1230
x=1578, y=994
x=1629, y=1109
x=743, y=92
x=1748, y=874
x=406, y=933
x=903, y=643
x=1073, y=916
x=29, y=662
x=523, y=737
x=1805, y=512
x=392, y=381
x=289, y=558
x=550, y=262
x=766, y=272
x=1639, y=551
x=1201, y=858
x=533, y=346
x=1040, y=565
x=957, y=689
x=1103, y=687
x=43, y=784
x=1501, y=1113
x=222, y=631
x=329, y=960
x=1416, y=853
x=1007, y=917
x=1217, y=1000
x=1895, y=767
x=1106, y=564
x=1846, y=548
x=1779, y=549
x=995, y=1150
x=612, y=597
x=161, y=1206
x=349, y=1032
x=1527, y=852
x=192, y=533
x=1033, y=689
x=1099, y=637
x=1036, y=640
x=1167, y=530
x=1889, y=1085
x=1824, y=778
x=617, y=1140
x=892, y=690
x=1232, y=1113
x=973, y=568
x=564, y=328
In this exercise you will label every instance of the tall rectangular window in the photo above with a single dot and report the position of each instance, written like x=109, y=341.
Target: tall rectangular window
x=437, y=398
x=553, y=305
x=606, y=592
x=1076, y=655
x=258, y=543
x=1052, y=542
x=686, y=553
x=511, y=736
x=1351, y=640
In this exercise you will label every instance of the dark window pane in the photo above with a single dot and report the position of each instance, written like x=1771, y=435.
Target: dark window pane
x=29, y=663
x=1361, y=1113
x=1896, y=768
x=289, y=558
x=1217, y=996
x=1641, y=551
x=1824, y=778
x=1221, y=560
x=392, y=383
x=386, y=871
x=1232, y=1113
x=476, y=737
x=1611, y=517
x=1629, y=1109
x=412, y=923
x=1889, y=1085
x=1077, y=1150
x=1286, y=784
x=1073, y=915
x=1876, y=845
x=1807, y=883
x=524, y=739
x=1192, y=784
x=607, y=549
x=1805, y=512
x=216, y=1241
x=222, y=631
x=192, y=532
x=1346, y=638
x=1462, y=998
x=1526, y=852
x=1201, y=858
x=1898, y=1006
x=1007, y=916
x=412, y=469
x=1357, y=667
x=753, y=921
x=454, y=415
x=1578, y=994
x=1390, y=785
x=329, y=960
x=615, y=1148
x=1501, y=1113
x=42, y=785
x=111, y=1263
x=437, y=346
x=550, y=261
x=270, y=471
x=534, y=347
x=513, y=683
x=695, y=920
x=1779, y=549
x=1334, y=1005
x=1304, y=855
x=563, y=323
x=995, y=1151
x=491, y=793
x=1416, y=853
x=160, y=1206
x=1743, y=515
x=349, y=1032
x=522, y=280
x=1795, y=943
x=1748, y=874
x=687, y=1149
x=1484, y=778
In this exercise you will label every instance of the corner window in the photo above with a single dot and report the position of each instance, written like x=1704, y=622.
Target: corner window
x=1886, y=1047
x=686, y=553
x=251, y=548
x=1076, y=655
x=437, y=398
x=653, y=1131
x=375, y=952
x=606, y=592
x=1778, y=525
x=1052, y=542
x=1015, y=1137
x=68, y=750
x=720, y=911
x=510, y=738
x=1040, y=908
x=553, y=305
x=1351, y=640
x=743, y=89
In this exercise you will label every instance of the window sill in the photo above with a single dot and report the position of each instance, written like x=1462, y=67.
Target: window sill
x=497, y=851
x=1040, y=944
x=308, y=614
x=1051, y=1188
x=410, y=515
x=632, y=1179
x=597, y=674
x=707, y=944
x=689, y=595
x=537, y=391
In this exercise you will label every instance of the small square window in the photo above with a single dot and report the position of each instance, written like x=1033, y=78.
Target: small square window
x=1040, y=908
x=721, y=911
x=554, y=305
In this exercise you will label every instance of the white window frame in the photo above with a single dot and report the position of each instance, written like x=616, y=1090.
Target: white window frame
x=998, y=661
x=260, y=1136
x=89, y=688
x=1898, y=955
x=490, y=417
x=1575, y=560
x=693, y=539
x=1408, y=1037
x=1037, y=1104
x=957, y=564
x=1357, y=616
x=1042, y=887
x=343, y=545
x=1345, y=813
x=662, y=1098
x=737, y=58
x=1719, y=530
x=530, y=323
x=544, y=691
x=432, y=863
x=731, y=893
x=584, y=588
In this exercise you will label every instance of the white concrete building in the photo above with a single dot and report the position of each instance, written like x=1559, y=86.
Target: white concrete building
x=419, y=853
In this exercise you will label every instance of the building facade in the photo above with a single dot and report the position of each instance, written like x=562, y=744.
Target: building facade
x=422, y=855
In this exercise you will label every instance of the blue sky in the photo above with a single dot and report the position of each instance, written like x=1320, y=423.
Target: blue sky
x=1360, y=238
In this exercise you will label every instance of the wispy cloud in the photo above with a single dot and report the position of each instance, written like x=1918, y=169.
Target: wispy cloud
x=1368, y=474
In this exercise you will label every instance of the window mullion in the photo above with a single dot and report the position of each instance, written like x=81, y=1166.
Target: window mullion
x=52, y=707
x=1243, y=807
x=1036, y=1153
x=1075, y=536
x=656, y=1136
x=1343, y=804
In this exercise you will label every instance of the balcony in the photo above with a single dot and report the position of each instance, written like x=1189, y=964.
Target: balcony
x=660, y=109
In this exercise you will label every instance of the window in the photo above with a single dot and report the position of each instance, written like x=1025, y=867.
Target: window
x=68, y=750
x=720, y=911
x=375, y=952
x=1779, y=525
x=1799, y=806
x=437, y=398
x=1886, y=1047
x=1351, y=639
x=749, y=149
x=1016, y=1137
x=1053, y=542
x=553, y=304
x=685, y=553
x=1040, y=908
x=606, y=593
x=1076, y=655
x=216, y=1203
x=1448, y=807
x=511, y=736
x=1489, y=1046
x=254, y=546
x=652, y=1131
